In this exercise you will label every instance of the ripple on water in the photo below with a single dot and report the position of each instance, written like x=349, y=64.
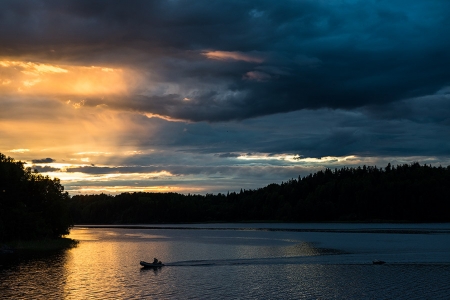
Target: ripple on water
x=42, y=279
x=256, y=269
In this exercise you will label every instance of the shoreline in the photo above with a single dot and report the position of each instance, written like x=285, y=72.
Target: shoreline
x=260, y=227
x=43, y=245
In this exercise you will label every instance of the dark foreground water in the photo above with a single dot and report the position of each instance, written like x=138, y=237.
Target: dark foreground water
x=236, y=261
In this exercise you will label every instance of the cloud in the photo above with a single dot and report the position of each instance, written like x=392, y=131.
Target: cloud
x=336, y=55
x=257, y=76
x=45, y=169
x=429, y=109
x=19, y=150
x=225, y=155
x=234, y=55
x=30, y=78
x=208, y=94
x=43, y=160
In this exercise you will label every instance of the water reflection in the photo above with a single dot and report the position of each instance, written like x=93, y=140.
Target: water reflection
x=31, y=276
x=108, y=263
x=233, y=264
x=93, y=270
x=154, y=270
x=310, y=249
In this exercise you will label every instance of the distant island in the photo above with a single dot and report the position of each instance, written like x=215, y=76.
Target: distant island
x=403, y=193
x=34, y=207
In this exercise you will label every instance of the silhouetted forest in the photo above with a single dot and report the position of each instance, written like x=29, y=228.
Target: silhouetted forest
x=32, y=206
x=411, y=193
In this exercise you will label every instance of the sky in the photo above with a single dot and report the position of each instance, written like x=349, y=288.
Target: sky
x=209, y=96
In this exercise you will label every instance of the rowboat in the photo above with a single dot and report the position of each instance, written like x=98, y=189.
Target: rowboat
x=150, y=265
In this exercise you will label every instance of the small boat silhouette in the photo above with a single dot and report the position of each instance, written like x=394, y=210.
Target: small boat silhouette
x=151, y=265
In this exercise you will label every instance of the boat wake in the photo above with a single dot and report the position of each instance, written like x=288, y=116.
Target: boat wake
x=241, y=262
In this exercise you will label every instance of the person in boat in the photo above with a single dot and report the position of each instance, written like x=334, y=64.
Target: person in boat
x=156, y=261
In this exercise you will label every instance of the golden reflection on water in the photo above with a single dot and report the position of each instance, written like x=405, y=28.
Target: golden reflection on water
x=103, y=268
x=88, y=273
x=218, y=265
x=82, y=234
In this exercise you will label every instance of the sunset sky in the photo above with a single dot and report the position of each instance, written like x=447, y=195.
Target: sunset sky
x=214, y=96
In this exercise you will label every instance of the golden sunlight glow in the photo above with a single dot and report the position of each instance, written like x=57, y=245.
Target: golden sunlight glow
x=167, y=118
x=32, y=68
x=37, y=79
x=87, y=134
x=326, y=159
x=298, y=159
x=75, y=176
x=262, y=156
x=233, y=55
x=94, y=153
x=19, y=150
x=69, y=177
x=130, y=189
x=133, y=152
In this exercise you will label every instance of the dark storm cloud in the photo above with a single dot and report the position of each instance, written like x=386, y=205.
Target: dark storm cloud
x=222, y=172
x=43, y=160
x=45, y=169
x=305, y=54
x=173, y=169
x=422, y=110
x=114, y=170
x=413, y=127
x=225, y=155
x=416, y=127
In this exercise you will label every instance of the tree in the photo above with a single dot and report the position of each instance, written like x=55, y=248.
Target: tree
x=32, y=206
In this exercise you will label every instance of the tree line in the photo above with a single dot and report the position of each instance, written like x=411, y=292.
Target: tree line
x=408, y=192
x=32, y=206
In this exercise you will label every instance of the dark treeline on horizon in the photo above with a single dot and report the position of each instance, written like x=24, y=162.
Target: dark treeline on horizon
x=405, y=193
x=33, y=206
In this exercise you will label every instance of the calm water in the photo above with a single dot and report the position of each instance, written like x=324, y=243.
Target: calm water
x=251, y=261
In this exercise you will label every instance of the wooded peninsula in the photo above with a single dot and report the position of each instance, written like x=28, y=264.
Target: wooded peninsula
x=33, y=206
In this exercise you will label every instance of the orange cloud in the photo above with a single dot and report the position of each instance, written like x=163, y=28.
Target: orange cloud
x=234, y=55
x=47, y=79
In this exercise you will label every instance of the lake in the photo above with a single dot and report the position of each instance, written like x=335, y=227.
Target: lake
x=239, y=261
